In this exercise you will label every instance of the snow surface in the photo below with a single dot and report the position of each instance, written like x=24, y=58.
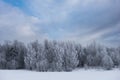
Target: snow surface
x=80, y=74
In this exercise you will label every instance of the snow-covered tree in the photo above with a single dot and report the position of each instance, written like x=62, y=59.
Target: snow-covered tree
x=31, y=56
x=70, y=57
x=20, y=50
x=2, y=58
x=57, y=57
x=95, y=53
x=42, y=62
x=81, y=55
x=107, y=62
x=35, y=58
x=54, y=55
x=115, y=55
x=91, y=52
x=14, y=54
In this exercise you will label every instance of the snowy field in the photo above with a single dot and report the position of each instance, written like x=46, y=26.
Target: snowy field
x=75, y=75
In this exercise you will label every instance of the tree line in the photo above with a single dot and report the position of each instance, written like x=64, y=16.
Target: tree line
x=57, y=56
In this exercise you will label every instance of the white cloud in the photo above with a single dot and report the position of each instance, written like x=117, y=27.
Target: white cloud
x=92, y=35
x=17, y=25
x=51, y=6
x=25, y=31
x=51, y=10
x=98, y=35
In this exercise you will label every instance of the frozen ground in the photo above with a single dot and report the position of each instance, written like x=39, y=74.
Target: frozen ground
x=75, y=75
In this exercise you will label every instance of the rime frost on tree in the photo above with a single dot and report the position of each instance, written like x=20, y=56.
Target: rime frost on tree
x=57, y=56
x=115, y=55
x=81, y=55
x=2, y=58
x=70, y=57
x=14, y=54
x=107, y=62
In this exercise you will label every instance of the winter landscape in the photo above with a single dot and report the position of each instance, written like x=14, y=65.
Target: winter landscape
x=59, y=40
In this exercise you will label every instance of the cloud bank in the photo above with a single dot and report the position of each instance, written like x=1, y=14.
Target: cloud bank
x=81, y=21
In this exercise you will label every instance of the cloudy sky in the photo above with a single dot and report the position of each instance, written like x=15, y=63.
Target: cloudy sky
x=81, y=21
